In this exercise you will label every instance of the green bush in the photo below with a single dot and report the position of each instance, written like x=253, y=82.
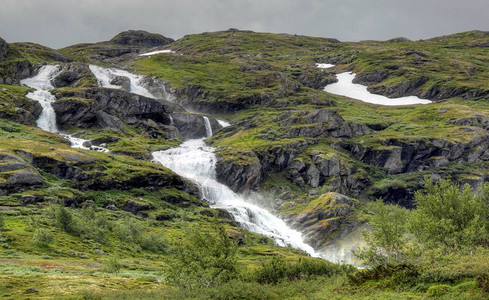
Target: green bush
x=42, y=237
x=399, y=273
x=204, y=260
x=387, y=242
x=153, y=242
x=278, y=269
x=450, y=218
x=112, y=265
x=438, y=290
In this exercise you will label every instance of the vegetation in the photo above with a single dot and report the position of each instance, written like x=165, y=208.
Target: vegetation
x=116, y=226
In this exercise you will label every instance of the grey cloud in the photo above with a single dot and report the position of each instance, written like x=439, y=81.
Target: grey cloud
x=58, y=23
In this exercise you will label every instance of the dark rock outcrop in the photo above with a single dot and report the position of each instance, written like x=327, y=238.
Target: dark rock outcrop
x=107, y=108
x=196, y=98
x=141, y=38
x=71, y=75
x=323, y=218
x=16, y=174
x=192, y=126
x=136, y=206
x=316, y=78
x=322, y=123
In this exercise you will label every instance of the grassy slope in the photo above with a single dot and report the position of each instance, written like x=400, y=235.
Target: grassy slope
x=216, y=62
x=221, y=62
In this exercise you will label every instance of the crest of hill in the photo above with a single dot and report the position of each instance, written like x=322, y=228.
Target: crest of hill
x=141, y=38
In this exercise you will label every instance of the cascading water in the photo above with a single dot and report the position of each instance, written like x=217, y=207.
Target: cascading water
x=208, y=127
x=42, y=83
x=47, y=119
x=106, y=76
x=196, y=161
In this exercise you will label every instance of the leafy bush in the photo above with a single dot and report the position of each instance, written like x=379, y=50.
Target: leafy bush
x=449, y=217
x=438, y=290
x=42, y=237
x=399, y=273
x=386, y=242
x=63, y=219
x=112, y=265
x=278, y=269
x=204, y=260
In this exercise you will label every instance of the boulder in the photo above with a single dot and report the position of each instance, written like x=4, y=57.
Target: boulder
x=141, y=38
x=71, y=74
x=122, y=81
x=136, y=206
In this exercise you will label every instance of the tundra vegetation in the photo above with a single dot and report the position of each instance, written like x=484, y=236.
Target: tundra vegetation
x=80, y=224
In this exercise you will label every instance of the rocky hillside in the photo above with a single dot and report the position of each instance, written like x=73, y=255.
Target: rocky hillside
x=318, y=157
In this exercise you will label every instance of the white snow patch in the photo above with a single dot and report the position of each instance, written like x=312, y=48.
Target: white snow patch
x=346, y=87
x=157, y=52
x=324, y=66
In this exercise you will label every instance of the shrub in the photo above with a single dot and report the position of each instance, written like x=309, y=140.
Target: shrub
x=278, y=269
x=399, y=273
x=450, y=217
x=386, y=242
x=112, y=265
x=204, y=260
x=153, y=242
x=42, y=237
x=438, y=290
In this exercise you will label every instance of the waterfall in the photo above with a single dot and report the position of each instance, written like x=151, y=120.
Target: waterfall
x=208, y=127
x=171, y=120
x=197, y=162
x=47, y=119
x=105, y=78
x=42, y=84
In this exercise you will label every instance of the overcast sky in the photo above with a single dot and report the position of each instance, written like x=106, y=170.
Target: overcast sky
x=59, y=23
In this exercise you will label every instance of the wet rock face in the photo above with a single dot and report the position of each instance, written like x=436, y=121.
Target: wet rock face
x=192, y=126
x=3, y=50
x=141, y=38
x=239, y=177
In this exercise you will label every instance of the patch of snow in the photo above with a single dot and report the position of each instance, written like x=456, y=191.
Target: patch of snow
x=324, y=66
x=157, y=52
x=346, y=87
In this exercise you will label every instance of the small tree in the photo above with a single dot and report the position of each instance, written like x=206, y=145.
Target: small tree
x=386, y=242
x=42, y=237
x=450, y=218
x=204, y=260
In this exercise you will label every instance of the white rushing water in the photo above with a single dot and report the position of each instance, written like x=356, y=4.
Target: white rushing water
x=197, y=162
x=42, y=85
x=223, y=123
x=106, y=76
x=346, y=87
